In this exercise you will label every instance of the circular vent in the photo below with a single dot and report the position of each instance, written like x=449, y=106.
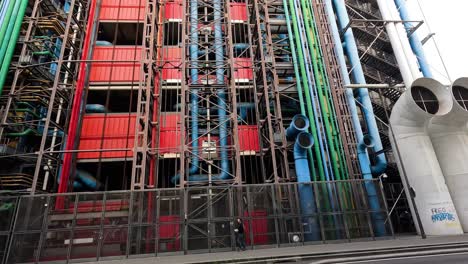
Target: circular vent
x=425, y=99
x=300, y=123
x=461, y=96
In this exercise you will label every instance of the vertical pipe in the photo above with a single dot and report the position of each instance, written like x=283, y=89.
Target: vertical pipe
x=303, y=142
x=8, y=32
x=8, y=9
x=76, y=106
x=403, y=37
x=306, y=80
x=10, y=49
x=194, y=78
x=297, y=75
x=363, y=157
x=219, y=56
x=400, y=56
x=416, y=44
x=358, y=76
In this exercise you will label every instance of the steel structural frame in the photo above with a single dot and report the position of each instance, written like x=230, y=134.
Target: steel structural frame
x=144, y=126
x=271, y=127
x=206, y=69
x=55, y=94
x=336, y=86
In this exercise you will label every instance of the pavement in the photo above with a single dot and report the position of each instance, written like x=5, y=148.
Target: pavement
x=442, y=248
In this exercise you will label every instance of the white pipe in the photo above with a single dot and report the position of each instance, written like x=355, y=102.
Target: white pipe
x=396, y=44
x=450, y=140
x=403, y=36
x=416, y=157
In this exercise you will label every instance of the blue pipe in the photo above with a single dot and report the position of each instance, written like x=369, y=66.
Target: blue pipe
x=363, y=157
x=416, y=44
x=103, y=43
x=305, y=141
x=194, y=92
x=300, y=123
x=311, y=82
x=95, y=108
x=358, y=76
x=219, y=56
x=85, y=180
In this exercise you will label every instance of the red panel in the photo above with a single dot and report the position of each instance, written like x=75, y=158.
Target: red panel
x=169, y=229
x=243, y=69
x=170, y=134
x=173, y=11
x=118, y=64
x=259, y=227
x=169, y=141
x=169, y=120
x=238, y=11
x=122, y=10
x=119, y=133
x=172, y=63
x=248, y=138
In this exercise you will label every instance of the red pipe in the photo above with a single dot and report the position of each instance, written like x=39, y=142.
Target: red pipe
x=76, y=107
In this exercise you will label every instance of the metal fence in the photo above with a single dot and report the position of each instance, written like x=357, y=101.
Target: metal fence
x=110, y=225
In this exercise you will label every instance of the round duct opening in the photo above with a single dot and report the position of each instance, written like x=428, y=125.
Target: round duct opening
x=368, y=141
x=300, y=123
x=305, y=140
x=425, y=99
x=460, y=93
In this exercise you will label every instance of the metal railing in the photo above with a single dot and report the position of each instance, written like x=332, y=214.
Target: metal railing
x=125, y=224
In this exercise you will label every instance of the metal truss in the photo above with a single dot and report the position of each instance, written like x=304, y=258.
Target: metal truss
x=39, y=99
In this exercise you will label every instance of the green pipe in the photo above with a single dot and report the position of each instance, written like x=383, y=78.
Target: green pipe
x=26, y=132
x=298, y=83
x=25, y=104
x=9, y=31
x=46, y=52
x=26, y=110
x=12, y=44
x=334, y=123
x=5, y=23
x=320, y=87
x=305, y=84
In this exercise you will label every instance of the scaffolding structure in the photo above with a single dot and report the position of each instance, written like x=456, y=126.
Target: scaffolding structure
x=38, y=102
x=145, y=127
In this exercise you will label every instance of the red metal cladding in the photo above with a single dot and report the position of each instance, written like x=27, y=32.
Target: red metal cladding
x=170, y=134
x=172, y=63
x=119, y=133
x=173, y=11
x=259, y=227
x=238, y=12
x=122, y=10
x=243, y=69
x=248, y=138
x=169, y=233
x=120, y=64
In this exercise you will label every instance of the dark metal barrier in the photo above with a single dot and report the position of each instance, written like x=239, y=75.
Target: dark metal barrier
x=110, y=225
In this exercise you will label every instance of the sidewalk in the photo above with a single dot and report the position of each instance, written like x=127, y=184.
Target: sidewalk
x=321, y=249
